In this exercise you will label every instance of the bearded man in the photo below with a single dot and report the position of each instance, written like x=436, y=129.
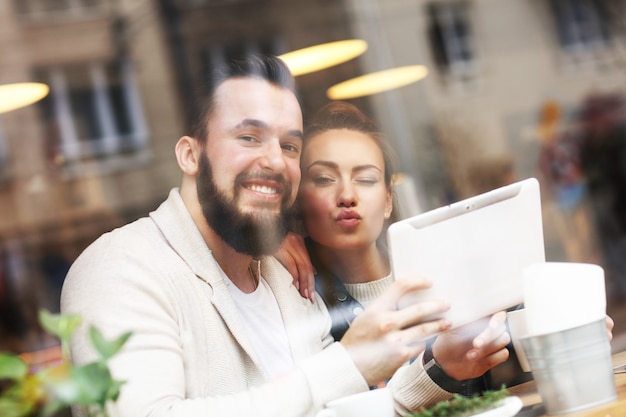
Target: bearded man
x=218, y=327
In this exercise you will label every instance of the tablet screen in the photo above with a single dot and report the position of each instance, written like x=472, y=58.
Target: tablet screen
x=473, y=251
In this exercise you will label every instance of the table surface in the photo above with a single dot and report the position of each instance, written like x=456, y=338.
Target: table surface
x=617, y=408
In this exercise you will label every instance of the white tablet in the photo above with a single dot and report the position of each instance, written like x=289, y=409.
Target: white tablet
x=473, y=251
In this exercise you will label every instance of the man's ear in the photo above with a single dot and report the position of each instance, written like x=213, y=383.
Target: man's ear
x=188, y=154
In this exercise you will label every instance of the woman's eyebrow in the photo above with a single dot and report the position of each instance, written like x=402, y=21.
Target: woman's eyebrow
x=334, y=165
x=365, y=167
x=328, y=164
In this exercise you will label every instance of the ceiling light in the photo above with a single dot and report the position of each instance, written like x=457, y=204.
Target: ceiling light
x=14, y=96
x=318, y=57
x=377, y=82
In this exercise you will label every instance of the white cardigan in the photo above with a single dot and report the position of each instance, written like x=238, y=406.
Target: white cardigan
x=189, y=355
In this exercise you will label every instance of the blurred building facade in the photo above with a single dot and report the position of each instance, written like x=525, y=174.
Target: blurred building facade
x=124, y=74
x=95, y=153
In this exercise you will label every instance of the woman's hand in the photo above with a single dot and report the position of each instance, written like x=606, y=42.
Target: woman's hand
x=295, y=258
x=473, y=349
x=609, y=327
x=383, y=338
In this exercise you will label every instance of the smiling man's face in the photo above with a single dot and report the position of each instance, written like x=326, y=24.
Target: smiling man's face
x=249, y=173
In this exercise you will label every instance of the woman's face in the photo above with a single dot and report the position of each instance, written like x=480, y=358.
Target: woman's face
x=343, y=195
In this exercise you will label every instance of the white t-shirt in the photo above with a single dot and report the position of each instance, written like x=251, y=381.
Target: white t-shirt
x=264, y=326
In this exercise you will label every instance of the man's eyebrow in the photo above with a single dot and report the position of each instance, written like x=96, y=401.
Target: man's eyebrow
x=252, y=123
x=262, y=125
x=296, y=133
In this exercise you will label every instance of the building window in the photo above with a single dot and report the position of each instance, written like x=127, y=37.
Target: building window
x=580, y=24
x=51, y=6
x=35, y=10
x=587, y=29
x=192, y=3
x=93, y=110
x=451, y=38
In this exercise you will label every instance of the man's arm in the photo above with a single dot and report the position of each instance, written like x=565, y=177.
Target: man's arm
x=181, y=359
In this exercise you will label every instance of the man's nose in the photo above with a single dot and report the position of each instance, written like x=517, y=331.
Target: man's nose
x=273, y=157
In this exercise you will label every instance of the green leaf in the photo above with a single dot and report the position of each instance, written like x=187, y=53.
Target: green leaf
x=52, y=407
x=107, y=348
x=60, y=383
x=93, y=381
x=114, y=390
x=12, y=367
x=85, y=385
x=14, y=408
x=54, y=388
x=60, y=325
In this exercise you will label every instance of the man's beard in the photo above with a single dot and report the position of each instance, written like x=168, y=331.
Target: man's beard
x=255, y=233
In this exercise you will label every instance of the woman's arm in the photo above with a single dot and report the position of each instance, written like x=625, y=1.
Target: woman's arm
x=295, y=258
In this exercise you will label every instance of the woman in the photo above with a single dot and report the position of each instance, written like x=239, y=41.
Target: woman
x=345, y=197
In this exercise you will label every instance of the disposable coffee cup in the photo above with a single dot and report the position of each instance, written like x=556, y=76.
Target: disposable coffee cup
x=517, y=329
x=373, y=403
x=562, y=295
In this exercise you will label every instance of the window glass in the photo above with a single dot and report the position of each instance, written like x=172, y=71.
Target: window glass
x=51, y=7
x=451, y=35
x=83, y=103
x=581, y=24
x=90, y=111
x=119, y=100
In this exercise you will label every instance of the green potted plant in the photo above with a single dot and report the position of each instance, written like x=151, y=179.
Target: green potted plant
x=51, y=389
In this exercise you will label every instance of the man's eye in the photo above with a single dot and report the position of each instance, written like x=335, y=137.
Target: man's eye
x=247, y=138
x=291, y=148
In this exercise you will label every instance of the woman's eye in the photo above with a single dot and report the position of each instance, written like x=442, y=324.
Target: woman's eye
x=322, y=180
x=367, y=180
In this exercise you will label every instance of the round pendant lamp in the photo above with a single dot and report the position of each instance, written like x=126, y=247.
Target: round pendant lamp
x=14, y=96
x=318, y=57
x=377, y=82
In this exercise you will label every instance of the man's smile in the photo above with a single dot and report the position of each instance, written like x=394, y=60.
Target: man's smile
x=263, y=189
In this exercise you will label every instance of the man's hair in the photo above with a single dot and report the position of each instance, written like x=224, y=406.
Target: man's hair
x=265, y=67
x=343, y=115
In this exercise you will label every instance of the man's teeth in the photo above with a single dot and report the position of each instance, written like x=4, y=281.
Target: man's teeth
x=263, y=189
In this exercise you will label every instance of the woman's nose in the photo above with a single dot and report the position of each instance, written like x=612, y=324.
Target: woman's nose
x=347, y=197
